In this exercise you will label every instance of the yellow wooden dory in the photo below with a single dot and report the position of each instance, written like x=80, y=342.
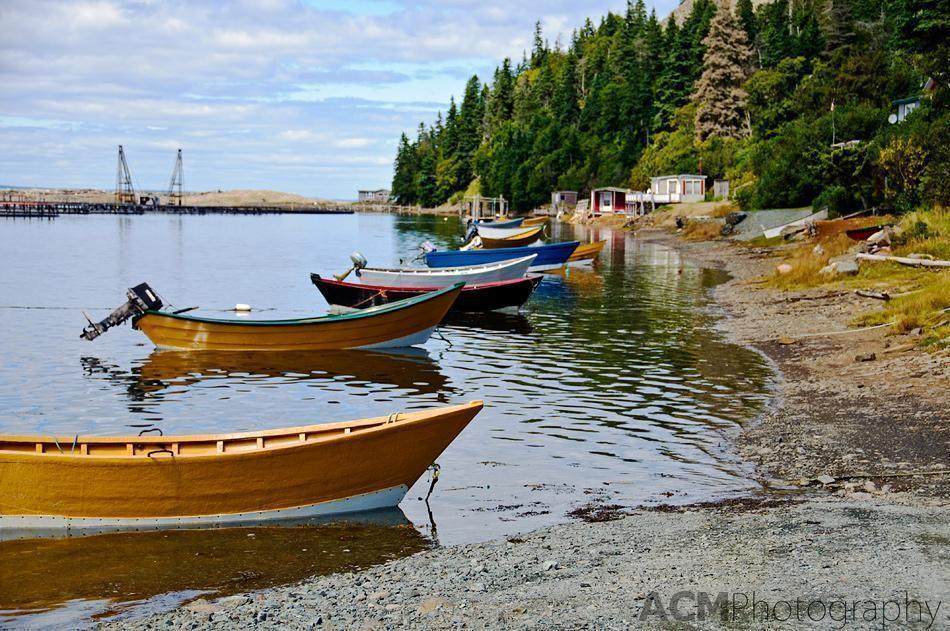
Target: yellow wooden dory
x=403, y=323
x=518, y=240
x=93, y=483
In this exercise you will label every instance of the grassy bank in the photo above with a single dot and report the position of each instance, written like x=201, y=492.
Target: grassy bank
x=922, y=294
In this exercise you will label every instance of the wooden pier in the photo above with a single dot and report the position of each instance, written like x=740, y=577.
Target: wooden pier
x=49, y=210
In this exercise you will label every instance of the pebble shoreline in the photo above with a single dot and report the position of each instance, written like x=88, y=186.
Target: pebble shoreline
x=602, y=575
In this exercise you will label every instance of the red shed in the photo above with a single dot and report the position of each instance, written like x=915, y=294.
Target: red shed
x=608, y=200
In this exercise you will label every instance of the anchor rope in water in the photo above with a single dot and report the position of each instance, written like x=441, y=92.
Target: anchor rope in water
x=435, y=469
x=438, y=333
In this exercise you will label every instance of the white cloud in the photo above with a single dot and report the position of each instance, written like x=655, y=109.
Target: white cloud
x=352, y=143
x=305, y=95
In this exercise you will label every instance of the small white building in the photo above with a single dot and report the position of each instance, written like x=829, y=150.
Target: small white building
x=906, y=106
x=379, y=196
x=679, y=188
x=563, y=200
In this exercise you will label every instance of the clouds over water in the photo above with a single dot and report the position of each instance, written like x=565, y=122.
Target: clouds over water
x=306, y=96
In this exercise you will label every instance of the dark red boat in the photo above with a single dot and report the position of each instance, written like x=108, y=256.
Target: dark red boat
x=861, y=234
x=484, y=297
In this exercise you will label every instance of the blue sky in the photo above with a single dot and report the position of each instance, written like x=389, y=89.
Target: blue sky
x=304, y=96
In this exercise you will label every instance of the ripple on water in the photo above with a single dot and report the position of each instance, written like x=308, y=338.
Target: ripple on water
x=611, y=375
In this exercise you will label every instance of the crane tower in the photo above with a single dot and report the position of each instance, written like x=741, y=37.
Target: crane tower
x=177, y=185
x=124, y=191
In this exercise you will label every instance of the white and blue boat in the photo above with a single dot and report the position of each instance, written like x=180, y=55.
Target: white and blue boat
x=550, y=256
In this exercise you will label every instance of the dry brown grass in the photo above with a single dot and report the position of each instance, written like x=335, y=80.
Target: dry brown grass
x=701, y=230
x=806, y=264
x=926, y=308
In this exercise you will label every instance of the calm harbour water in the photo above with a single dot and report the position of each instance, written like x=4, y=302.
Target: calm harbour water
x=611, y=386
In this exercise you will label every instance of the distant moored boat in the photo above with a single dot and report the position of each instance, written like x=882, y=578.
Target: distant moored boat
x=478, y=297
x=489, y=272
x=550, y=256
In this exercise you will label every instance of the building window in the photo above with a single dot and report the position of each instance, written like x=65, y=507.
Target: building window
x=605, y=199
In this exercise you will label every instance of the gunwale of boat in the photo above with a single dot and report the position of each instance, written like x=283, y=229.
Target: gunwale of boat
x=535, y=221
x=521, y=235
x=502, y=223
x=525, y=238
x=150, y=447
x=332, y=317
x=534, y=278
x=459, y=269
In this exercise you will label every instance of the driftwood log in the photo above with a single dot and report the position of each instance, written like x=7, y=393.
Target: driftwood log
x=903, y=260
x=877, y=295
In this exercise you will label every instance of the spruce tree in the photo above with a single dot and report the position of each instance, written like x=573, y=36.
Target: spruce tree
x=426, y=187
x=470, y=129
x=564, y=103
x=746, y=15
x=836, y=25
x=501, y=103
x=719, y=94
x=774, y=32
x=404, y=172
x=539, y=51
x=674, y=84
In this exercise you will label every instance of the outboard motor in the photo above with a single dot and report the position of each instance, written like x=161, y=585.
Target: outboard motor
x=427, y=246
x=470, y=232
x=359, y=262
x=141, y=298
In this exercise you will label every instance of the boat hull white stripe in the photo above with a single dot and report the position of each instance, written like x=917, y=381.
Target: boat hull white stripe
x=21, y=526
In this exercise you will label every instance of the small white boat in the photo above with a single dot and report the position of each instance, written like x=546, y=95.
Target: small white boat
x=498, y=271
x=490, y=232
x=771, y=233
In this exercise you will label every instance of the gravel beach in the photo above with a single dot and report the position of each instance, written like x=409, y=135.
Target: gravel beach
x=855, y=532
x=624, y=574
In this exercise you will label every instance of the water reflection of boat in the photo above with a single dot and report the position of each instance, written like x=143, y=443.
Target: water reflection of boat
x=129, y=567
x=92, y=482
x=410, y=369
x=491, y=321
x=584, y=280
